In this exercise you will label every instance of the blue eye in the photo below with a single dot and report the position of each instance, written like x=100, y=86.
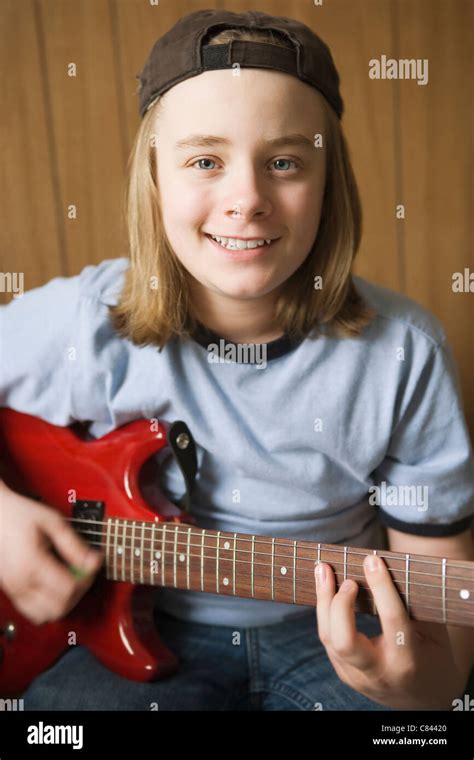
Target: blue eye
x=288, y=161
x=210, y=160
x=203, y=159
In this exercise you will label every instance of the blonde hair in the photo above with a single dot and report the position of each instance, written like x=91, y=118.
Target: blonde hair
x=154, y=305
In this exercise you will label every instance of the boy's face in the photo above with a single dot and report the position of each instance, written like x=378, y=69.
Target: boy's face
x=245, y=188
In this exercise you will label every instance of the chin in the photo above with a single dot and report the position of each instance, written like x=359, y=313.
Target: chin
x=243, y=291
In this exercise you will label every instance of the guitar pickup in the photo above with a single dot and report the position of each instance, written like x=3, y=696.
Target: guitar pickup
x=88, y=510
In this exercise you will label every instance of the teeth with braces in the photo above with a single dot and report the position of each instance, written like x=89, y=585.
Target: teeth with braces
x=239, y=245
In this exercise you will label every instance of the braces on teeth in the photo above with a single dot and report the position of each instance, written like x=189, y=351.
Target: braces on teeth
x=234, y=244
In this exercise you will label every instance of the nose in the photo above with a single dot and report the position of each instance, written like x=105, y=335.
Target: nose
x=247, y=196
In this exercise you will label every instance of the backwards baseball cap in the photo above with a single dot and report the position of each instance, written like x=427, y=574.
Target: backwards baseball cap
x=182, y=53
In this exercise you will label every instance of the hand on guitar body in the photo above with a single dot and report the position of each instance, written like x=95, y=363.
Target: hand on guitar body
x=160, y=545
x=42, y=585
x=401, y=667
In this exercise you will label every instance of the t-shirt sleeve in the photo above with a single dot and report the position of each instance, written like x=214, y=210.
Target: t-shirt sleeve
x=38, y=350
x=425, y=484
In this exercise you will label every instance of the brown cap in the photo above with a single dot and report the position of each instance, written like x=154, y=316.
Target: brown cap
x=180, y=54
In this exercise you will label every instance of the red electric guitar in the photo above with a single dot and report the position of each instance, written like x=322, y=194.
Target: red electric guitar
x=98, y=486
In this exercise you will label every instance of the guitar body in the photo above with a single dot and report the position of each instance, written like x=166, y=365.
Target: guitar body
x=108, y=490
x=113, y=620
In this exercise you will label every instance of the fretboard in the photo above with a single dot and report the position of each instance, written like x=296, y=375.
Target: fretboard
x=275, y=569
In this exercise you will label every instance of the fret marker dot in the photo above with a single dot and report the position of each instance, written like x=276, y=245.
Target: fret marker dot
x=225, y=581
x=283, y=570
x=158, y=555
x=182, y=557
x=119, y=550
x=226, y=545
x=464, y=593
x=137, y=552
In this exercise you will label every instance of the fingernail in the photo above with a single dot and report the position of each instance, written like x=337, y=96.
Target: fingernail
x=346, y=586
x=321, y=573
x=90, y=561
x=372, y=562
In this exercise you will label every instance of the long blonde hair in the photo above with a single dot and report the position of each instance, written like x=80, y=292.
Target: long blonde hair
x=154, y=304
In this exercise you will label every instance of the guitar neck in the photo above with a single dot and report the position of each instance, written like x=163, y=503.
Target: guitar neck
x=274, y=569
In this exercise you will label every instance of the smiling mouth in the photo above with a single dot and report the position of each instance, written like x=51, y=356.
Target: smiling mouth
x=239, y=245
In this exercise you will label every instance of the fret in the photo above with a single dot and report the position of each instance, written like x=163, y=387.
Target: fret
x=175, y=549
x=418, y=588
x=234, y=562
x=202, y=560
x=373, y=598
x=163, y=554
x=116, y=550
x=122, y=548
x=152, y=554
x=217, y=560
x=142, y=551
x=443, y=591
x=132, y=552
x=188, y=549
x=407, y=581
x=123, y=534
x=107, y=546
x=273, y=567
x=253, y=557
x=294, y=572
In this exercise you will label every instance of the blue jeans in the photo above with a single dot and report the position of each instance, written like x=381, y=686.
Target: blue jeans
x=275, y=667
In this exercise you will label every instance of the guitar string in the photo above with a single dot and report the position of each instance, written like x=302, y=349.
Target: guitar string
x=452, y=611
x=264, y=564
x=366, y=599
x=184, y=526
x=302, y=585
x=300, y=559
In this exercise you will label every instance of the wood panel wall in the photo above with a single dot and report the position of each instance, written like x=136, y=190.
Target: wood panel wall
x=65, y=140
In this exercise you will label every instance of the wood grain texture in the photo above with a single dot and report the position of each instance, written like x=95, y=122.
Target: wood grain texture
x=30, y=237
x=436, y=128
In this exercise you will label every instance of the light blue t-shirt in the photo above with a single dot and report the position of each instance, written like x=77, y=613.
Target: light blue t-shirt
x=292, y=449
